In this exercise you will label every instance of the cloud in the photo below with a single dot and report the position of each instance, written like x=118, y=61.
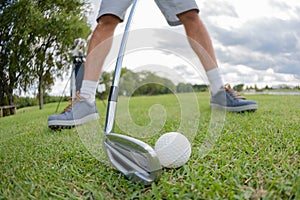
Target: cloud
x=217, y=8
x=259, y=43
x=285, y=8
x=262, y=44
x=272, y=36
x=243, y=74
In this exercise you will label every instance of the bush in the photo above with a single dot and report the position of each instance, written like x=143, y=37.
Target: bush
x=22, y=102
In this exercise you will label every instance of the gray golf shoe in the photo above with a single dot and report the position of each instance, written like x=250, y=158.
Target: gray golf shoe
x=79, y=112
x=229, y=100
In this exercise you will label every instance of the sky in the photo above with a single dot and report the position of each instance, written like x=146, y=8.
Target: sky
x=255, y=41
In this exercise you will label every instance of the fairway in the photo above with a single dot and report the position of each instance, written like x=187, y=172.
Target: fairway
x=256, y=155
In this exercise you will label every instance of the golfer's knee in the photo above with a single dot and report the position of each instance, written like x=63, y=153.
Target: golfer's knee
x=190, y=16
x=108, y=22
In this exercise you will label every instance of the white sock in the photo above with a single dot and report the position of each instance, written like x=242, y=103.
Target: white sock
x=215, y=80
x=88, y=90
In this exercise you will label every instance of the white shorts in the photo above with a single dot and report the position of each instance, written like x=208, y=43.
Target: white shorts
x=170, y=8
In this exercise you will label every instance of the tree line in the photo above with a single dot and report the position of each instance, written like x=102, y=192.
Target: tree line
x=36, y=38
x=148, y=83
x=131, y=84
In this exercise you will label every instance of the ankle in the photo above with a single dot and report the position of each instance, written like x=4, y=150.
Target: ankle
x=215, y=80
x=88, y=90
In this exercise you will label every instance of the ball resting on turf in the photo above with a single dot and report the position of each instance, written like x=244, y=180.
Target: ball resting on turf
x=173, y=149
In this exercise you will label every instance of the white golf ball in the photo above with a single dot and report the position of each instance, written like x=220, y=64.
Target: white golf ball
x=173, y=149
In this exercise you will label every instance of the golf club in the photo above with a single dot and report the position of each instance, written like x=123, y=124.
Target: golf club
x=134, y=158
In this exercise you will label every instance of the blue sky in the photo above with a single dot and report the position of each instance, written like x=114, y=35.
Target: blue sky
x=256, y=42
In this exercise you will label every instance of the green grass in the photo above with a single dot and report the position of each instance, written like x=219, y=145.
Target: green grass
x=257, y=156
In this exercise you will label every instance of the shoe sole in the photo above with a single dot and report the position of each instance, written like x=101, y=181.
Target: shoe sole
x=67, y=124
x=246, y=108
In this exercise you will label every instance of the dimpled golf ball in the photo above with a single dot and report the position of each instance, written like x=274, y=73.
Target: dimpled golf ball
x=173, y=149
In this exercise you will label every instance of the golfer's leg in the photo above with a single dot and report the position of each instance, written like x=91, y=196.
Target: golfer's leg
x=199, y=38
x=99, y=46
x=84, y=108
x=201, y=43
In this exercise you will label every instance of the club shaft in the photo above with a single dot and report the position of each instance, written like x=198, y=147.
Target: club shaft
x=113, y=96
x=123, y=47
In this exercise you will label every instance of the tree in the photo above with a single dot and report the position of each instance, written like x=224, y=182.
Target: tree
x=15, y=53
x=106, y=80
x=183, y=87
x=35, y=42
x=200, y=88
x=238, y=87
x=5, y=3
x=144, y=83
x=268, y=88
x=129, y=82
x=60, y=22
x=151, y=84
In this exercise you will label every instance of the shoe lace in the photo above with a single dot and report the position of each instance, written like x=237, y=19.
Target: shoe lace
x=69, y=107
x=233, y=93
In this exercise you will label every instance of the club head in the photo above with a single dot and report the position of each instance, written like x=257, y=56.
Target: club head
x=134, y=158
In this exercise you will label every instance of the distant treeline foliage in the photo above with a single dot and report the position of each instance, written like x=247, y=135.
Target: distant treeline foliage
x=22, y=102
x=149, y=83
x=134, y=84
x=131, y=84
